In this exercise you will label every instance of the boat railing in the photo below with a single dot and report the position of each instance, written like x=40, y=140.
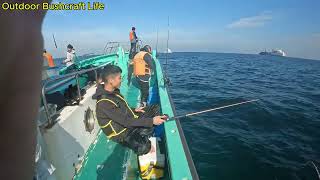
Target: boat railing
x=63, y=79
x=112, y=47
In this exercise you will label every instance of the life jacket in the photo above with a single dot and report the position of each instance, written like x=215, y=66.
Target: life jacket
x=111, y=128
x=140, y=67
x=49, y=58
x=132, y=37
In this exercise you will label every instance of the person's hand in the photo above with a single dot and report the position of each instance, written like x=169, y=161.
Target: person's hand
x=140, y=109
x=157, y=120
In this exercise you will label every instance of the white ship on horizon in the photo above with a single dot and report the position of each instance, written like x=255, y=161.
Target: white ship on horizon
x=277, y=52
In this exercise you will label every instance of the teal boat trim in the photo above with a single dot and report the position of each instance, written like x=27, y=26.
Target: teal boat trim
x=178, y=154
x=184, y=143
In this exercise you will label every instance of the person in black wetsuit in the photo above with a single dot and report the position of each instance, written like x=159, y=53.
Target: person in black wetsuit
x=122, y=124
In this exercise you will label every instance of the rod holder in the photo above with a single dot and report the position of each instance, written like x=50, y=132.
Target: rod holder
x=78, y=87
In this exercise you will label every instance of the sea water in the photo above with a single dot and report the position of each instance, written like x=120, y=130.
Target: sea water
x=274, y=138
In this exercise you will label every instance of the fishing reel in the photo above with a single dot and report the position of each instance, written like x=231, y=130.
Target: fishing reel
x=89, y=120
x=167, y=81
x=166, y=117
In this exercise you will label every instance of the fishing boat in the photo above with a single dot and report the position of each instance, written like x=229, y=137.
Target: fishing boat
x=71, y=144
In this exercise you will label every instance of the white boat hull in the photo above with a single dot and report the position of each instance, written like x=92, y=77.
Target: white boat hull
x=67, y=141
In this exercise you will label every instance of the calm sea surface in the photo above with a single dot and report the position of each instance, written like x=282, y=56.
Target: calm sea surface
x=271, y=139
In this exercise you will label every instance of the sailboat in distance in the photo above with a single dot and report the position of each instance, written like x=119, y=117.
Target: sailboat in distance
x=168, y=51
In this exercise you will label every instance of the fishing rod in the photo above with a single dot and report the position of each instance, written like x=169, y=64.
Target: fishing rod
x=166, y=78
x=212, y=109
x=157, y=40
x=167, y=45
x=54, y=40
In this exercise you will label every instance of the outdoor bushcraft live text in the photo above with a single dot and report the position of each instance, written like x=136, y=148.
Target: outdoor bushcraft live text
x=7, y=6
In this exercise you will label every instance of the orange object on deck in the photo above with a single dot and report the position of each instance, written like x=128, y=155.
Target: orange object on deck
x=49, y=58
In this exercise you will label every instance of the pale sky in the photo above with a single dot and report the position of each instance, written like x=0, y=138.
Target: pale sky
x=196, y=26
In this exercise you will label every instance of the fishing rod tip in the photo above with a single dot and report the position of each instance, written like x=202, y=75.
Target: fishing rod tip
x=253, y=100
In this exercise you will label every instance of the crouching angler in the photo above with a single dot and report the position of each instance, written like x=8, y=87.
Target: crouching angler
x=122, y=124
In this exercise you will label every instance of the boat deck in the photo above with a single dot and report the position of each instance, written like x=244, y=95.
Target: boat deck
x=106, y=159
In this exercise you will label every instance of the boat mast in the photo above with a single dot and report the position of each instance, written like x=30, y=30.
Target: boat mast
x=54, y=40
x=157, y=40
x=167, y=46
x=166, y=79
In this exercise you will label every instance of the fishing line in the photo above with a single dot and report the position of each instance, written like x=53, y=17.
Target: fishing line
x=315, y=167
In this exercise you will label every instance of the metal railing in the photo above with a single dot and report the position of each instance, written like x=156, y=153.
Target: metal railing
x=112, y=47
x=67, y=77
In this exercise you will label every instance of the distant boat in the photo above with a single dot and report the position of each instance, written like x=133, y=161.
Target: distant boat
x=277, y=52
x=168, y=51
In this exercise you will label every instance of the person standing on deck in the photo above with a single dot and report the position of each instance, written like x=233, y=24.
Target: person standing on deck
x=142, y=69
x=133, y=41
x=45, y=66
x=122, y=124
x=48, y=57
x=71, y=57
x=133, y=51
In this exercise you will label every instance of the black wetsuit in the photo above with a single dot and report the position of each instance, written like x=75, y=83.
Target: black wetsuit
x=138, y=130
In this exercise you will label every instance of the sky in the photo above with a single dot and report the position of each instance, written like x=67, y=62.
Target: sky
x=238, y=26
